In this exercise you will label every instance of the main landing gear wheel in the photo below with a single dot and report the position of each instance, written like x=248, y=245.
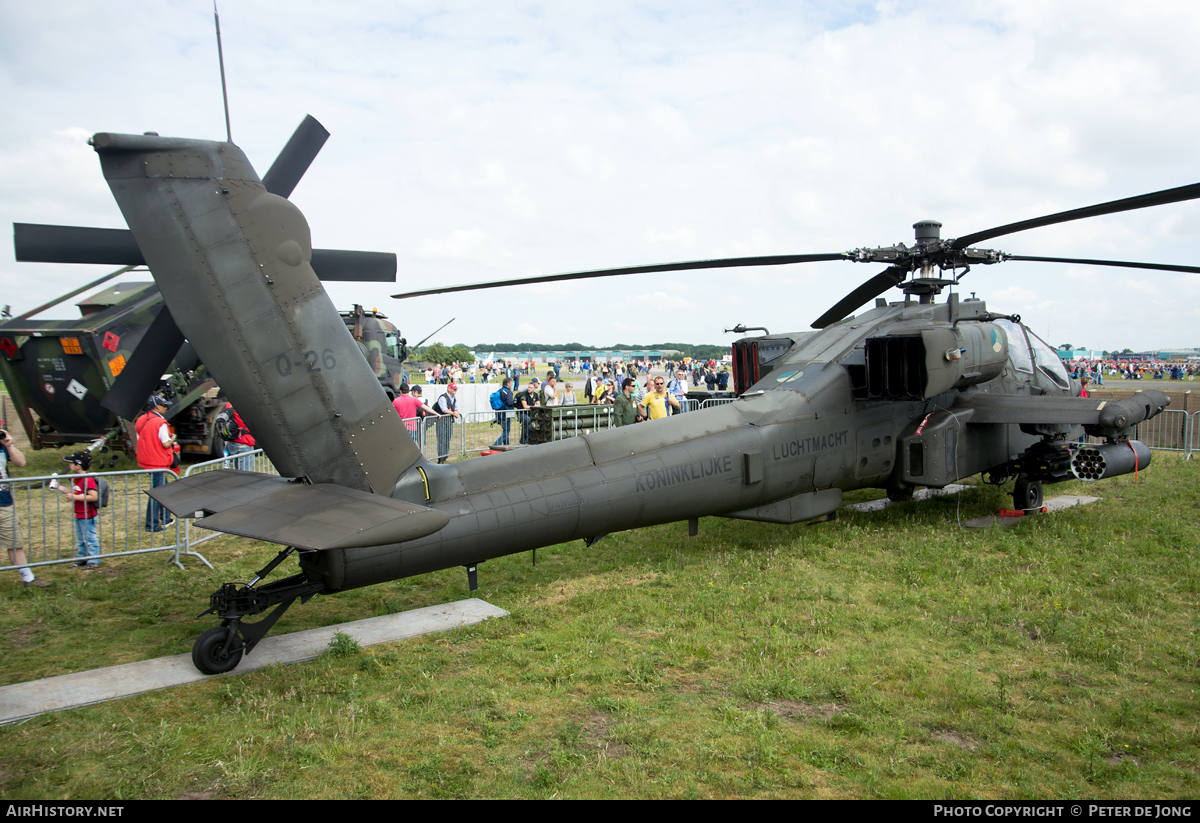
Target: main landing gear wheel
x=900, y=494
x=1027, y=494
x=209, y=654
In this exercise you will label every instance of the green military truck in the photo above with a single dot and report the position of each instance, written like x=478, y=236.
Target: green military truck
x=58, y=371
x=381, y=343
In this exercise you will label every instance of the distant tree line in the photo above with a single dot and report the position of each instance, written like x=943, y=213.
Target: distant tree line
x=439, y=353
x=1107, y=353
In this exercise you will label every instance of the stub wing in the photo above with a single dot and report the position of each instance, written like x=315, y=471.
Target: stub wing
x=1015, y=408
x=321, y=516
x=1109, y=418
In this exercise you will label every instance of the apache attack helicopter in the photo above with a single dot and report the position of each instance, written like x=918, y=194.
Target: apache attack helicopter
x=914, y=393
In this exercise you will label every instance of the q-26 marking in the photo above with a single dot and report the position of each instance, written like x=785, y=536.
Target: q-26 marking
x=284, y=364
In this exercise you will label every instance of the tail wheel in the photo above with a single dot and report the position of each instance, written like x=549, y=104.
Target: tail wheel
x=210, y=655
x=1027, y=494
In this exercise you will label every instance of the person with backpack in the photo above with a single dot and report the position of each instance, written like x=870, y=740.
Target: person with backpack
x=238, y=438
x=85, y=492
x=504, y=402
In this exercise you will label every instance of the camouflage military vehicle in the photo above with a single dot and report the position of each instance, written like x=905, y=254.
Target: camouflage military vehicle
x=58, y=371
x=381, y=345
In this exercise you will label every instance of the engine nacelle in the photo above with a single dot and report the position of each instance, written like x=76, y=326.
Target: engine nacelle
x=1119, y=416
x=924, y=365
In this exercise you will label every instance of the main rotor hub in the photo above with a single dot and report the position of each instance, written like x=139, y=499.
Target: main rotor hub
x=928, y=232
x=925, y=258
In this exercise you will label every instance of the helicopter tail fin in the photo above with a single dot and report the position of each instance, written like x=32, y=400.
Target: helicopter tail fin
x=233, y=263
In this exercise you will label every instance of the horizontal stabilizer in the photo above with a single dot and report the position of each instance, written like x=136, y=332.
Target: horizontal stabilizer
x=278, y=510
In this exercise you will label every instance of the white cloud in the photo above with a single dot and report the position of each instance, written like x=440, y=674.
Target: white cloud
x=484, y=141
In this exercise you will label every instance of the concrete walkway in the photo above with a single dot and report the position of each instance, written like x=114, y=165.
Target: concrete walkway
x=22, y=701
x=1054, y=504
x=920, y=494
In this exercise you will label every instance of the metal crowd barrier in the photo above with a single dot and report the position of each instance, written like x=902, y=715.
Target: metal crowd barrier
x=482, y=430
x=46, y=518
x=1169, y=430
x=425, y=431
x=250, y=461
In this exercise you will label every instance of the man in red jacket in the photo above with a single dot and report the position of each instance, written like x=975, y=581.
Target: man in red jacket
x=155, y=450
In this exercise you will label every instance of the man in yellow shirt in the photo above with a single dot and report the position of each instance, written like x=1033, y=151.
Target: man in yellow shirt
x=655, y=402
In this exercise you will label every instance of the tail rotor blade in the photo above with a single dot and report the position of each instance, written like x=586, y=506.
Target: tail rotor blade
x=877, y=285
x=158, y=347
x=37, y=243
x=362, y=266
x=296, y=157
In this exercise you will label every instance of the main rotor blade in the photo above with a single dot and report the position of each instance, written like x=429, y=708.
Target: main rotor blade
x=1142, y=201
x=158, y=347
x=720, y=263
x=36, y=243
x=296, y=157
x=877, y=285
x=1119, y=263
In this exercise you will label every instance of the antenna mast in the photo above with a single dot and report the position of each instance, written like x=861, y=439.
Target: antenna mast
x=221, y=61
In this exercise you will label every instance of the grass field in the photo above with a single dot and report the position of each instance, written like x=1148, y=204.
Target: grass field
x=880, y=655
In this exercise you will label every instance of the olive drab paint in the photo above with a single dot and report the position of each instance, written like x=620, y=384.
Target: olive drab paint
x=235, y=260
x=904, y=395
x=381, y=345
x=59, y=371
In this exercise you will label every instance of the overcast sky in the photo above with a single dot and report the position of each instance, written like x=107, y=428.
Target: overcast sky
x=489, y=140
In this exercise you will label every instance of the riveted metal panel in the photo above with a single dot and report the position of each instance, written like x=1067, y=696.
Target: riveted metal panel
x=234, y=261
x=186, y=164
